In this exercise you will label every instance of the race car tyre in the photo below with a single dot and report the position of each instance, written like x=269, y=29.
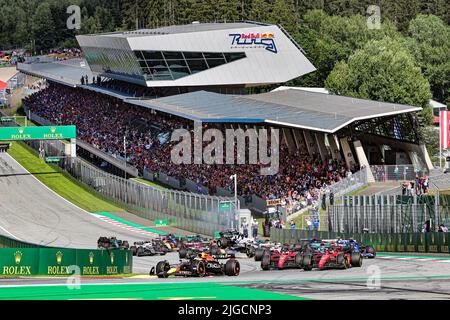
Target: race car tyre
x=307, y=262
x=125, y=245
x=341, y=261
x=298, y=260
x=232, y=268
x=133, y=250
x=356, y=259
x=250, y=251
x=140, y=251
x=222, y=243
x=259, y=254
x=370, y=249
x=182, y=253
x=161, y=269
x=265, y=262
x=199, y=268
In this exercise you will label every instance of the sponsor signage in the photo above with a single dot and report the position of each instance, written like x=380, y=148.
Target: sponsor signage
x=273, y=203
x=254, y=40
x=38, y=133
x=58, y=261
x=161, y=222
x=225, y=206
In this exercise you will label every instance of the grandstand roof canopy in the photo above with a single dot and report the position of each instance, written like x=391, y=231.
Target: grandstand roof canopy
x=292, y=108
x=67, y=72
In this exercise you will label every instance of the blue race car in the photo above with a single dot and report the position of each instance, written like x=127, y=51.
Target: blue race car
x=366, y=251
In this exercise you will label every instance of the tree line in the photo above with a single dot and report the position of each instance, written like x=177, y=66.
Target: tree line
x=411, y=47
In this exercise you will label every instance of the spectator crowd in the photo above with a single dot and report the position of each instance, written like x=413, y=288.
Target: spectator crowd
x=134, y=133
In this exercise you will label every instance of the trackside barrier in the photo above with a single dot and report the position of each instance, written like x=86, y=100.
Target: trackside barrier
x=6, y=242
x=431, y=242
x=60, y=262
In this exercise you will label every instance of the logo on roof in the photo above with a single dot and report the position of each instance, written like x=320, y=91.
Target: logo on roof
x=254, y=40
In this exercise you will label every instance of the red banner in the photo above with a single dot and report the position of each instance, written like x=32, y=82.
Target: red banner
x=444, y=117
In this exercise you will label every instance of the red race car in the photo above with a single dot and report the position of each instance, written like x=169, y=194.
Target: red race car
x=333, y=257
x=284, y=259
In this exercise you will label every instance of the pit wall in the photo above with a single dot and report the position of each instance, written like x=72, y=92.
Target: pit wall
x=431, y=242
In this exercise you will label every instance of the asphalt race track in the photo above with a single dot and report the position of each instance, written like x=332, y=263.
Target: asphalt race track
x=31, y=212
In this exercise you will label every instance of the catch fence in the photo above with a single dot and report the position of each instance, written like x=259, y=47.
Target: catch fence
x=197, y=213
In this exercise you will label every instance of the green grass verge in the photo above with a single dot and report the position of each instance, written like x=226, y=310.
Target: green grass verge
x=358, y=191
x=60, y=182
x=152, y=183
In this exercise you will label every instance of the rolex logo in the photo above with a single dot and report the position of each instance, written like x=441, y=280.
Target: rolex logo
x=17, y=257
x=59, y=256
x=112, y=258
x=91, y=258
x=53, y=129
x=20, y=130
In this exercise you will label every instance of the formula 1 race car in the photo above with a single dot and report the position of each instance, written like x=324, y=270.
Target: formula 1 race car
x=257, y=247
x=232, y=239
x=220, y=253
x=366, y=251
x=112, y=243
x=201, y=266
x=285, y=259
x=148, y=248
x=192, y=249
x=330, y=257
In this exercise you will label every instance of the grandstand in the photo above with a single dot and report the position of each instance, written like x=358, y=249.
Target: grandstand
x=143, y=84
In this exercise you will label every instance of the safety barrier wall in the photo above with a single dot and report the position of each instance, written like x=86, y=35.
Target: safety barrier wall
x=64, y=262
x=431, y=242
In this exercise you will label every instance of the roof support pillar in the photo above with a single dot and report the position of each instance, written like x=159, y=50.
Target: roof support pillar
x=310, y=142
x=425, y=156
x=335, y=148
x=348, y=154
x=362, y=159
x=288, y=137
x=320, y=141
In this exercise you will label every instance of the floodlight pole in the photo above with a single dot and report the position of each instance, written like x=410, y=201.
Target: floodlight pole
x=234, y=176
x=440, y=140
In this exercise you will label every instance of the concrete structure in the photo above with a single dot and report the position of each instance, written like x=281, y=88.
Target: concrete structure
x=242, y=54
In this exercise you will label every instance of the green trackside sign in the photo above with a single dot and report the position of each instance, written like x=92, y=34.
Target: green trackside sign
x=225, y=206
x=61, y=261
x=38, y=133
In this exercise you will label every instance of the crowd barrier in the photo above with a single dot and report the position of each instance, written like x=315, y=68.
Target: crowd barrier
x=64, y=262
x=431, y=242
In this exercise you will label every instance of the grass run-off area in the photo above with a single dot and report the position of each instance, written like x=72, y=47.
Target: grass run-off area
x=60, y=182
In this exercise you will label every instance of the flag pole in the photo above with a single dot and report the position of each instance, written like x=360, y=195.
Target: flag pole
x=441, y=118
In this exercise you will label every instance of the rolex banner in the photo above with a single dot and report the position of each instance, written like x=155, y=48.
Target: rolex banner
x=64, y=262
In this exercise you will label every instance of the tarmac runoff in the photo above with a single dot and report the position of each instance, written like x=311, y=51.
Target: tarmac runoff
x=32, y=212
